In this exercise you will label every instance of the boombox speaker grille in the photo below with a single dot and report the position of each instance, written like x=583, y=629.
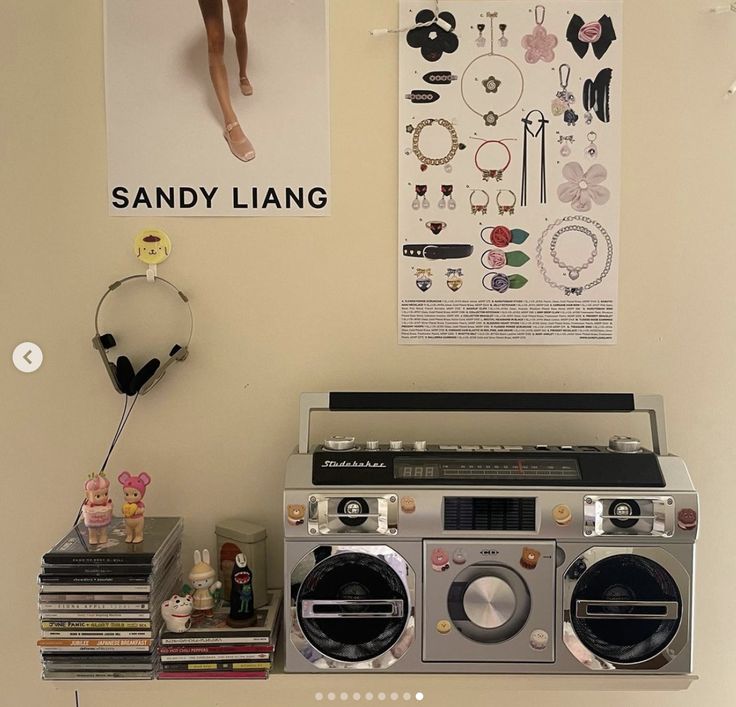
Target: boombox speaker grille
x=501, y=513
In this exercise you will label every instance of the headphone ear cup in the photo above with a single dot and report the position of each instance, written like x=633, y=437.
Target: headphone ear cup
x=143, y=376
x=124, y=373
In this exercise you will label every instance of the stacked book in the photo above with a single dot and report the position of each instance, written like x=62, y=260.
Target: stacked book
x=211, y=649
x=99, y=605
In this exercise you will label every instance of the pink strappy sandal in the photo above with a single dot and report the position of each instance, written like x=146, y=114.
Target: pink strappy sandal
x=243, y=149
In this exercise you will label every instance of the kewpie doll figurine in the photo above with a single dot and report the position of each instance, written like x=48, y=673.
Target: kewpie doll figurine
x=134, y=488
x=97, y=508
x=202, y=579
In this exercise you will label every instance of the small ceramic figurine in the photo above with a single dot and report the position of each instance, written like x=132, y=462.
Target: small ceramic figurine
x=440, y=560
x=97, y=508
x=202, y=578
x=242, y=611
x=177, y=613
x=134, y=488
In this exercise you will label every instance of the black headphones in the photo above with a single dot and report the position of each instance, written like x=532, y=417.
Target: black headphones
x=124, y=378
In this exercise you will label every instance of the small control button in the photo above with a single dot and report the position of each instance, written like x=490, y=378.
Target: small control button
x=449, y=447
x=420, y=446
x=469, y=448
x=444, y=626
x=539, y=639
x=562, y=514
x=338, y=443
x=395, y=445
x=408, y=504
x=566, y=447
x=458, y=557
x=687, y=519
x=372, y=445
x=624, y=445
x=514, y=449
x=542, y=447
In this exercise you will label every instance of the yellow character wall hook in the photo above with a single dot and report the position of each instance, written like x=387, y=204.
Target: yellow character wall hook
x=152, y=246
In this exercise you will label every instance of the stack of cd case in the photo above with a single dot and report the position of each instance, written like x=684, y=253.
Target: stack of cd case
x=99, y=605
x=212, y=650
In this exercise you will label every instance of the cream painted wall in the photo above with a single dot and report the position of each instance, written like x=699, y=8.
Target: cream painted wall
x=310, y=305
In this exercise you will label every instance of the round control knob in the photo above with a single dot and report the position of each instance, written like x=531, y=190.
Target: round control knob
x=372, y=445
x=338, y=443
x=562, y=514
x=626, y=445
x=489, y=602
x=395, y=445
x=420, y=446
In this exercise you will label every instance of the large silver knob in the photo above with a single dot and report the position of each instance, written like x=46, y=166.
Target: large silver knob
x=489, y=602
x=626, y=445
x=395, y=445
x=338, y=443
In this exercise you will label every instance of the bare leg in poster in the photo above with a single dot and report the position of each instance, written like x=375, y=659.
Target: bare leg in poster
x=212, y=14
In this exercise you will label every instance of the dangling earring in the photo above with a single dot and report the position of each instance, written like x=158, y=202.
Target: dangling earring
x=454, y=278
x=424, y=278
x=447, y=192
x=421, y=190
x=566, y=142
x=592, y=149
x=503, y=40
x=481, y=40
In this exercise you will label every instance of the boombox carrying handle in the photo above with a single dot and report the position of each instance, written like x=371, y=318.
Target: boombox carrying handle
x=485, y=402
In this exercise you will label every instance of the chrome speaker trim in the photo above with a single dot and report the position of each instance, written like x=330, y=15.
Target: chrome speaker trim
x=398, y=564
x=669, y=652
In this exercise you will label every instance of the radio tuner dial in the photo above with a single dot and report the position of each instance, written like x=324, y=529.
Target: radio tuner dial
x=624, y=445
x=420, y=446
x=372, y=445
x=395, y=445
x=338, y=443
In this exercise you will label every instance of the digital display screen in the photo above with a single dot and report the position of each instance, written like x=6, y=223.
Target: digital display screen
x=506, y=469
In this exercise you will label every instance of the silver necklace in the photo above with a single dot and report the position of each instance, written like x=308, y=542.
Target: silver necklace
x=567, y=225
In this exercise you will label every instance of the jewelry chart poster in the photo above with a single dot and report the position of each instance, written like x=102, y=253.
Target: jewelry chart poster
x=509, y=172
x=208, y=106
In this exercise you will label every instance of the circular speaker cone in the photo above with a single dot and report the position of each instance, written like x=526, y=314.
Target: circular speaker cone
x=618, y=633
x=349, y=576
x=350, y=511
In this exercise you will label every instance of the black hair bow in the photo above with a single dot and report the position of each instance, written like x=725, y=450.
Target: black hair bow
x=599, y=34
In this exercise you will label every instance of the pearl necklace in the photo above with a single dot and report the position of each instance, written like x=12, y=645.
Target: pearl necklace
x=573, y=271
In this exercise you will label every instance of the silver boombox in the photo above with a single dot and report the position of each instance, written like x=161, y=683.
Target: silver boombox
x=488, y=558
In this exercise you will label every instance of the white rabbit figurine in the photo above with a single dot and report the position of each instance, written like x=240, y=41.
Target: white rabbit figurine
x=202, y=579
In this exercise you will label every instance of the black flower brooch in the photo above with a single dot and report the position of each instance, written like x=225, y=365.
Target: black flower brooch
x=431, y=38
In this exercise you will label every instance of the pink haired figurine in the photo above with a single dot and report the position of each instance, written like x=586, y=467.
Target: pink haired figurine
x=134, y=488
x=97, y=508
